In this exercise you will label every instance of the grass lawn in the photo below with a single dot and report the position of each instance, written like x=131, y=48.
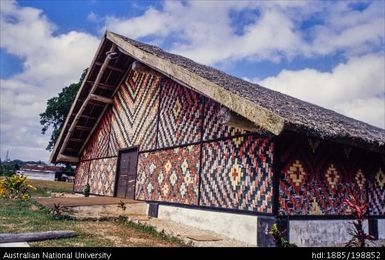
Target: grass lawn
x=26, y=216
x=44, y=188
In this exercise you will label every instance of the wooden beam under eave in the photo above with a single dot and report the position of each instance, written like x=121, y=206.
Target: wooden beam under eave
x=227, y=117
x=110, y=67
x=77, y=140
x=89, y=117
x=67, y=123
x=102, y=85
x=141, y=68
x=83, y=128
x=67, y=158
x=102, y=99
x=73, y=125
x=67, y=149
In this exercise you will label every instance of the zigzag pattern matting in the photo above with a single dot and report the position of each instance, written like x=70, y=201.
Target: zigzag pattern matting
x=135, y=108
x=81, y=177
x=97, y=146
x=237, y=174
x=181, y=112
x=102, y=173
x=377, y=190
x=212, y=128
x=317, y=176
x=169, y=175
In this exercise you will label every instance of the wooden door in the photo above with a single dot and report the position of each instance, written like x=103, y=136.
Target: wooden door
x=125, y=181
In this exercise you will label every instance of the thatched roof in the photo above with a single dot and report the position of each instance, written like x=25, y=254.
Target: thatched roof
x=270, y=110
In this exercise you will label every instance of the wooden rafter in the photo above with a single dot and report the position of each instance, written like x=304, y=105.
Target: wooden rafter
x=102, y=85
x=110, y=67
x=102, y=99
x=74, y=125
x=228, y=117
x=89, y=117
x=77, y=140
x=140, y=67
x=67, y=158
x=83, y=128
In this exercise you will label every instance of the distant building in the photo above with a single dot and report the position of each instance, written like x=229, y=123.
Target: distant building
x=39, y=168
x=41, y=172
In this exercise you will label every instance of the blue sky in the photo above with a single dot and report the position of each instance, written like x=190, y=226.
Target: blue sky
x=328, y=53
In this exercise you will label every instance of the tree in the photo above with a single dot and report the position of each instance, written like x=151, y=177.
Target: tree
x=57, y=110
x=9, y=168
x=67, y=168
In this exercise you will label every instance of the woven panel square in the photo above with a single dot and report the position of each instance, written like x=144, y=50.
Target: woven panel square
x=169, y=175
x=237, y=174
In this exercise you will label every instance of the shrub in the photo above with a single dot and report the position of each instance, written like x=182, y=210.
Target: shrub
x=3, y=190
x=278, y=237
x=86, y=190
x=57, y=210
x=15, y=187
x=358, y=208
x=122, y=205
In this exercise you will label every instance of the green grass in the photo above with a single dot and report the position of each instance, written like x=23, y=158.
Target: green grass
x=28, y=216
x=45, y=188
x=25, y=216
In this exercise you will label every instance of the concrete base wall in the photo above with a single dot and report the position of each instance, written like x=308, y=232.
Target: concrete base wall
x=381, y=228
x=320, y=232
x=252, y=229
x=236, y=226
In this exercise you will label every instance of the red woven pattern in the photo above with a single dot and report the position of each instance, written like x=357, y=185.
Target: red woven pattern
x=213, y=129
x=316, y=176
x=377, y=186
x=169, y=175
x=81, y=176
x=102, y=176
x=237, y=174
x=134, y=113
x=181, y=112
x=97, y=146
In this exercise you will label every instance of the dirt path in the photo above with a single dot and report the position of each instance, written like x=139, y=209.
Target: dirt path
x=82, y=201
x=116, y=234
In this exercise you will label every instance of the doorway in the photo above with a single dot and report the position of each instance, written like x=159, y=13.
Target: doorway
x=126, y=174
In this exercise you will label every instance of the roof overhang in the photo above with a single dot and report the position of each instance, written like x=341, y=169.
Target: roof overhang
x=104, y=77
x=94, y=96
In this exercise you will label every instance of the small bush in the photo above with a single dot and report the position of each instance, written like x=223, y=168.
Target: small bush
x=86, y=190
x=358, y=208
x=122, y=219
x=57, y=210
x=15, y=187
x=278, y=237
x=122, y=205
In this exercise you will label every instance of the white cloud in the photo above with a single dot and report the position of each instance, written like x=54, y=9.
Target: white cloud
x=351, y=31
x=355, y=88
x=92, y=17
x=50, y=62
x=204, y=31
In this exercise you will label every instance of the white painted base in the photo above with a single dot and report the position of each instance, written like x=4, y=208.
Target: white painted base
x=381, y=228
x=320, y=232
x=236, y=226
